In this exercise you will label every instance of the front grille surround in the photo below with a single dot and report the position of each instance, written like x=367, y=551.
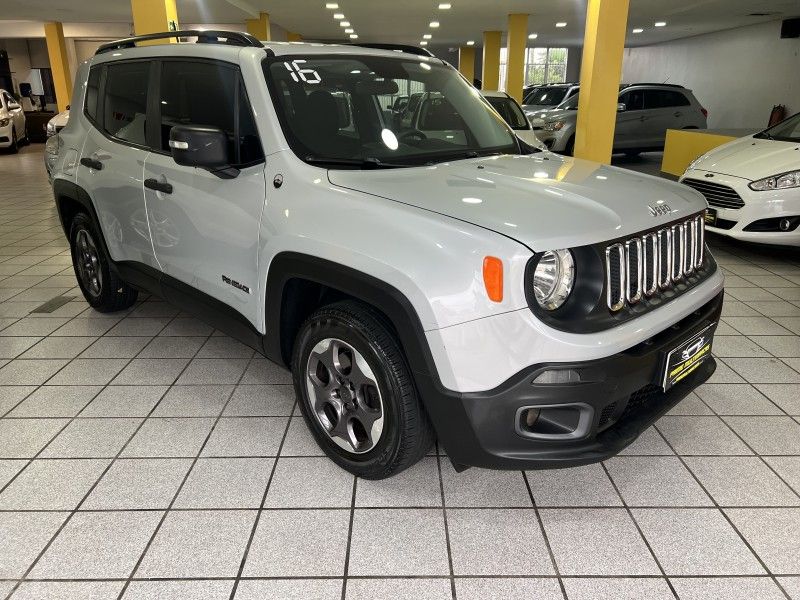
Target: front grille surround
x=716, y=194
x=642, y=266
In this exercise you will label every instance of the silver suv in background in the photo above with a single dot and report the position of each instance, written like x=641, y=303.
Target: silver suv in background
x=644, y=113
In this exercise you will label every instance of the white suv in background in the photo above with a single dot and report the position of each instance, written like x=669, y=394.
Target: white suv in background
x=530, y=310
x=753, y=185
x=12, y=122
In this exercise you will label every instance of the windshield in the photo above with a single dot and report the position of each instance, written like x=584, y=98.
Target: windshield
x=546, y=96
x=510, y=111
x=570, y=103
x=787, y=130
x=344, y=111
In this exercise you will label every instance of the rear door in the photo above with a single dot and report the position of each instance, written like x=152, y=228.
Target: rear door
x=112, y=160
x=630, y=129
x=206, y=231
x=665, y=109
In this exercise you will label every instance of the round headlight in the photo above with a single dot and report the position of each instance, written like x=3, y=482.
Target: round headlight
x=553, y=278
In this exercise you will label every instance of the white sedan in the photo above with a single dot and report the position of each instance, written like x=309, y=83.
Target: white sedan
x=512, y=114
x=752, y=185
x=12, y=122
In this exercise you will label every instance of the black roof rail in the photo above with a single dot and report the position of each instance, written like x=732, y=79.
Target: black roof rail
x=671, y=85
x=397, y=48
x=232, y=38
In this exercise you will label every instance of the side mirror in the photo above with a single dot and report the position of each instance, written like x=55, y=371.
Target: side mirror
x=203, y=147
x=621, y=107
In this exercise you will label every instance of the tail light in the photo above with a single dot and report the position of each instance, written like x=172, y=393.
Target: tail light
x=704, y=111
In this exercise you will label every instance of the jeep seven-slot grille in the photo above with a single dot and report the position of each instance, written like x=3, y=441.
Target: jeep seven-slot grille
x=716, y=194
x=643, y=266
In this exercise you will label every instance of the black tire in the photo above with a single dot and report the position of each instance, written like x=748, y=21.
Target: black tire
x=407, y=433
x=111, y=293
x=569, y=149
x=14, y=147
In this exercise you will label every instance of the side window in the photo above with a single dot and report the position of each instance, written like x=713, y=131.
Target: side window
x=205, y=94
x=633, y=100
x=125, y=101
x=670, y=98
x=92, y=92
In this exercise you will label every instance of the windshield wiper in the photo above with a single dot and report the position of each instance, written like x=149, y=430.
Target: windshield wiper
x=363, y=163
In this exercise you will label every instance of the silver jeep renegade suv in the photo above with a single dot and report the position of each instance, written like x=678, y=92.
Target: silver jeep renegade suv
x=527, y=309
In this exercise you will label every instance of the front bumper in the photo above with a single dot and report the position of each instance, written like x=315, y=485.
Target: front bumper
x=621, y=392
x=5, y=136
x=757, y=206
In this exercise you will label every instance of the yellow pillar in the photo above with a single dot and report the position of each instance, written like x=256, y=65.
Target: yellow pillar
x=517, y=44
x=601, y=71
x=154, y=16
x=293, y=37
x=59, y=63
x=466, y=62
x=259, y=27
x=491, y=60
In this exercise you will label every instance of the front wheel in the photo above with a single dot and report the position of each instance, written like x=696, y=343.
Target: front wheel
x=14, y=147
x=101, y=287
x=356, y=391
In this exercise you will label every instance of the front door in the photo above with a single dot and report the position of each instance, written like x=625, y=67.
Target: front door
x=113, y=156
x=630, y=131
x=206, y=228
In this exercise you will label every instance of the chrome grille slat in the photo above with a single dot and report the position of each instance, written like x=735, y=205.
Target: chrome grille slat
x=716, y=194
x=644, y=265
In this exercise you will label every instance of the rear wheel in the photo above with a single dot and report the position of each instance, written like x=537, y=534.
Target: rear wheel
x=14, y=147
x=101, y=287
x=356, y=392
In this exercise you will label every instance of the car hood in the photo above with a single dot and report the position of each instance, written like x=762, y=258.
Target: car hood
x=751, y=158
x=537, y=115
x=544, y=201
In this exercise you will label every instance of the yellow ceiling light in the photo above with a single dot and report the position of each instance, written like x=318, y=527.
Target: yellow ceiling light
x=353, y=36
x=471, y=43
x=638, y=30
x=427, y=36
x=533, y=36
x=338, y=16
x=561, y=24
x=423, y=43
x=349, y=30
x=660, y=23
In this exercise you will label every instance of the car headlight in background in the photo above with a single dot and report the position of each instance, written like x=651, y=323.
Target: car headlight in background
x=553, y=278
x=554, y=125
x=777, y=182
x=4, y=122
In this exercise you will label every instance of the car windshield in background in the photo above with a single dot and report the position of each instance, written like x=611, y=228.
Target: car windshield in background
x=510, y=111
x=344, y=111
x=546, y=96
x=787, y=130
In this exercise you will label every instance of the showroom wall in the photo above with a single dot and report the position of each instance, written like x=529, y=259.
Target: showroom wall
x=738, y=74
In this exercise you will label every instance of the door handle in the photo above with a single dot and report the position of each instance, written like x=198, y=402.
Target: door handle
x=92, y=163
x=677, y=113
x=159, y=186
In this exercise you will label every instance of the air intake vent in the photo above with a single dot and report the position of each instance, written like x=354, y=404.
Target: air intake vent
x=716, y=194
x=643, y=266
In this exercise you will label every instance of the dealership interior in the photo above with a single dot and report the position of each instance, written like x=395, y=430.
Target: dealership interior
x=159, y=441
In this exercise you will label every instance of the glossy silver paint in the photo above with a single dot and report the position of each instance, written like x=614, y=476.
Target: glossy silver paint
x=424, y=230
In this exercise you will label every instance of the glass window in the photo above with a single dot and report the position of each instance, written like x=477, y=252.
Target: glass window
x=547, y=96
x=125, y=101
x=633, y=99
x=787, y=130
x=510, y=111
x=664, y=99
x=92, y=91
x=334, y=109
x=546, y=65
x=204, y=94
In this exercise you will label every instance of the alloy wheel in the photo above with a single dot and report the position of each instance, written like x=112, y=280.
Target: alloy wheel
x=345, y=396
x=87, y=259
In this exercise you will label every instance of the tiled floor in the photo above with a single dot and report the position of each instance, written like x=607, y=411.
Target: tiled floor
x=143, y=455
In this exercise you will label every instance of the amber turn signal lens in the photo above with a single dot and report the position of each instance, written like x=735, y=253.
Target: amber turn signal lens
x=493, y=278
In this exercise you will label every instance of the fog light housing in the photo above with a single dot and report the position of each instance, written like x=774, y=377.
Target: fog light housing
x=557, y=377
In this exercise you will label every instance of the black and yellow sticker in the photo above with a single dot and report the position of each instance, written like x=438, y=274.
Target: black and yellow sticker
x=687, y=358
